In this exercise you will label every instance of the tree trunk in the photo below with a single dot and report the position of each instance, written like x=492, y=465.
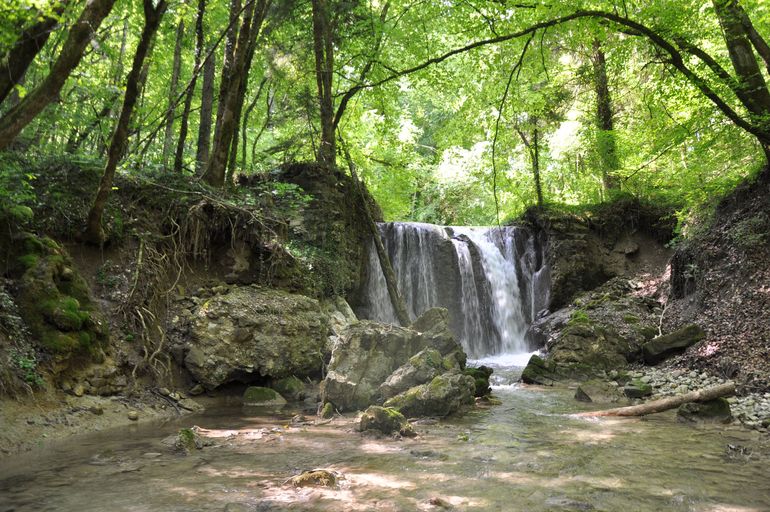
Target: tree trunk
x=152, y=16
x=228, y=125
x=324, y=69
x=14, y=121
x=606, y=145
x=536, y=166
x=207, y=110
x=24, y=51
x=173, y=90
x=246, y=115
x=183, y=125
x=665, y=404
x=399, y=306
x=227, y=65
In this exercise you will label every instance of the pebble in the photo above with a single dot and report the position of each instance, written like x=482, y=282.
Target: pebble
x=133, y=415
x=96, y=409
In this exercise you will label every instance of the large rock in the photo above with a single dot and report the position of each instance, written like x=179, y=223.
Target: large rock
x=252, y=332
x=599, y=392
x=662, y=347
x=539, y=371
x=420, y=368
x=442, y=396
x=367, y=353
x=385, y=420
x=713, y=411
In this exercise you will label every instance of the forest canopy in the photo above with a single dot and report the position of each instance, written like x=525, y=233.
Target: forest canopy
x=453, y=111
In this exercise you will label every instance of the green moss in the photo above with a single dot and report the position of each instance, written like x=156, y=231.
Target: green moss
x=28, y=261
x=256, y=395
x=648, y=332
x=579, y=317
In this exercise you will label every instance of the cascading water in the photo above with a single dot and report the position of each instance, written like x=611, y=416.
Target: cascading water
x=492, y=280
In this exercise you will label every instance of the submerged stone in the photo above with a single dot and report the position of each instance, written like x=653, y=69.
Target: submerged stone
x=260, y=397
x=598, y=391
x=712, y=411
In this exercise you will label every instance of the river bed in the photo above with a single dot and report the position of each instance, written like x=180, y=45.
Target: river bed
x=526, y=454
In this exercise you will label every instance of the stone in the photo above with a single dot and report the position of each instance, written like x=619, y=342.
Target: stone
x=327, y=411
x=713, y=411
x=481, y=376
x=290, y=388
x=98, y=410
x=421, y=368
x=538, y=371
x=256, y=396
x=385, y=420
x=662, y=347
x=188, y=440
x=78, y=390
x=368, y=353
x=197, y=390
x=286, y=335
x=637, y=388
x=316, y=478
x=133, y=415
x=598, y=391
x=444, y=395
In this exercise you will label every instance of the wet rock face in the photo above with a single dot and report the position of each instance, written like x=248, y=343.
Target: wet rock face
x=373, y=361
x=249, y=332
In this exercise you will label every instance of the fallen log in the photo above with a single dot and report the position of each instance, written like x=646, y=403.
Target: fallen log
x=664, y=404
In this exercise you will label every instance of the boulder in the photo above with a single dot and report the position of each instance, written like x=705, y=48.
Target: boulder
x=367, y=353
x=250, y=331
x=662, y=347
x=598, y=392
x=713, y=411
x=444, y=395
x=481, y=376
x=290, y=388
x=637, y=389
x=538, y=371
x=385, y=420
x=256, y=396
x=420, y=368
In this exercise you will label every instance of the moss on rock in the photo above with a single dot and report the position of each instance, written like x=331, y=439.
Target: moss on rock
x=259, y=397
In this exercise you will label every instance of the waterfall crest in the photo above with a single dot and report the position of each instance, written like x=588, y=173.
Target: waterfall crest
x=493, y=281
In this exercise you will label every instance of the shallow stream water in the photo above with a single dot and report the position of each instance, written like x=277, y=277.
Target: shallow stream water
x=526, y=454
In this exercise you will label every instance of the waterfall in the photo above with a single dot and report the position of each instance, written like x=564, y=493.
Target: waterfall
x=493, y=281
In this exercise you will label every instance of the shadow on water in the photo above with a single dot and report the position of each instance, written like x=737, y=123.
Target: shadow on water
x=526, y=454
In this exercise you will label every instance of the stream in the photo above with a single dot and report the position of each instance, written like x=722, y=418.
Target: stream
x=526, y=454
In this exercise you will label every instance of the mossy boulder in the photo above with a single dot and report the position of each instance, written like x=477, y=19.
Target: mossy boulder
x=446, y=394
x=247, y=332
x=188, y=440
x=712, y=411
x=637, y=389
x=290, y=388
x=56, y=303
x=539, y=371
x=256, y=396
x=481, y=377
x=421, y=368
x=663, y=347
x=599, y=392
x=385, y=420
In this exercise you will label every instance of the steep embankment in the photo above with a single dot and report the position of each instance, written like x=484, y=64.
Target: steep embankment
x=720, y=279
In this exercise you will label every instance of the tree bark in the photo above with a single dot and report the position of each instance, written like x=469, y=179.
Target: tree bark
x=228, y=124
x=606, y=145
x=207, y=112
x=173, y=90
x=665, y=404
x=152, y=16
x=399, y=306
x=14, y=121
x=183, y=124
x=324, y=69
x=24, y=51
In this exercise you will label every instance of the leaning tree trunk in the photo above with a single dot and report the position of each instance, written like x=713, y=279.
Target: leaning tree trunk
x=324, y=69
x=24, y=51
x=605, y=134
x=173, y=89
x=152, y=16
x=14, y=121
x=399, y=306
x=665, y=404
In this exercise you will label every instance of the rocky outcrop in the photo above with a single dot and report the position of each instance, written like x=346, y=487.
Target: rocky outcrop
x=373, y=361
x=539, y=371
x=662, y=347
x=444, y=395
x=247, y=333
